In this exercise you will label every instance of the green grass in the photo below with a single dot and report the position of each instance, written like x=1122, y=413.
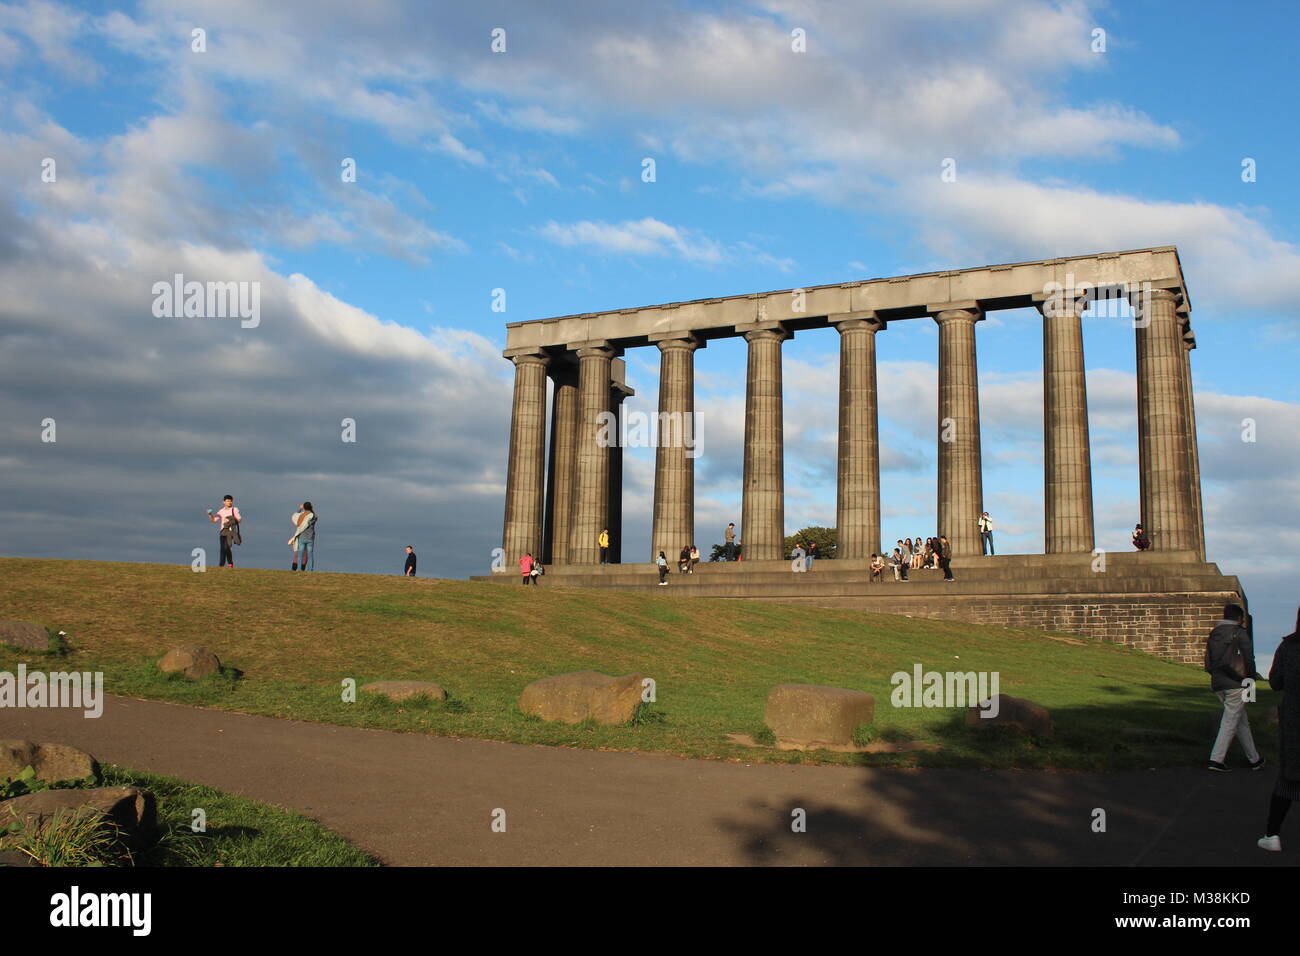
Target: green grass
x=234, y=832
x=298, y=637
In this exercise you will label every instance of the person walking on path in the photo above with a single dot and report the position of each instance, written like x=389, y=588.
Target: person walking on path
x=945, y=556
x=304, y=537
x=603, y=541
x=729, y=536
x=408, y=570
x=1284, y=674
x=229, y=518
x=986, y=534
x=1230, y=660
x=662, y=563
x=526, y=568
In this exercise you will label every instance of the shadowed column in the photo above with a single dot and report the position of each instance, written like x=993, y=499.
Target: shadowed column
x=762, y=532
x=961, y=483
x=1193, y=451
x=674, y=501
x=526, y=471
x=1163, y=431
x=591, y=483
x=1067, y=457
x=564, y=437
x=857, y=507
x=618, y=393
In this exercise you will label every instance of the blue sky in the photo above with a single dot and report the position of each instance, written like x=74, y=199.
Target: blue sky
x=522, y=171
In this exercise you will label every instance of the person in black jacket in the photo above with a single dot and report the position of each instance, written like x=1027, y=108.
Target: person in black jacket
x=408, y=570
x=1284, y=674
x=1230, y=659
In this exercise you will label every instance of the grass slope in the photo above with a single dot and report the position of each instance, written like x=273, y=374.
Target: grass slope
x=297, y=637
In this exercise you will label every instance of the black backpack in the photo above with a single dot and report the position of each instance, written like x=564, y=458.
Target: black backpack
x=1234, y=659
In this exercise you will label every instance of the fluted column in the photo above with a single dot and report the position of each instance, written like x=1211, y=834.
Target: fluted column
x=674, y=500
x=961, y=483
x=591, y=483
x=857, y=507
x=526, y=471
x=1163, y=431
x=1193, y=450
x=564, y=437
x=1067, y=457
x=762, y=533
x=618, y=393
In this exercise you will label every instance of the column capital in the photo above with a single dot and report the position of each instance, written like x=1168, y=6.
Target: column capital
x=955, y=312
x=851, y=321
x=1059, y=305
x=1155, y=295
x=778, y=334
x=597, y=351
x=675, y=340
x=530, y=358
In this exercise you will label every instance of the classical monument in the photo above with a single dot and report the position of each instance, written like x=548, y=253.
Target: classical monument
x=1163, y=600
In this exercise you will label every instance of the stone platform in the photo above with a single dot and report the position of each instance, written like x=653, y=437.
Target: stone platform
x=1164, y=603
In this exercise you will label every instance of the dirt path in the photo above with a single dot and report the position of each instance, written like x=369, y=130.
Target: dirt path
x=417, y=800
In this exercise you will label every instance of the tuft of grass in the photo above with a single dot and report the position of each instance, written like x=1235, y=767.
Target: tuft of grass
x=71, y=839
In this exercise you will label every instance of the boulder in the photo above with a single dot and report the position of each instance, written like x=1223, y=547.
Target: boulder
x=402, y=689
x=134, y=811
x=51, y=762
x=195, y=663
x=30, y=637
x=810, y=717
x=583, y=695
x=1013, y=712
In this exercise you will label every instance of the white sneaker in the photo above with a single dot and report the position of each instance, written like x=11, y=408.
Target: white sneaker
x=1273, y=843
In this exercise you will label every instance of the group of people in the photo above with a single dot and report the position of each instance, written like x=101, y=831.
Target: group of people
x=302, y=542
x=1230, y=661
x=802, y=555
x=935, y=554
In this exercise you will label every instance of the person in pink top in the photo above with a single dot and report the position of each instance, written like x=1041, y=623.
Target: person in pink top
x=228, y=518
x=526, y=568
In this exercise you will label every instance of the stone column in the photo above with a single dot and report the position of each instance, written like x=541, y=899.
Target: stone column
x=564, y=436
x=961, y=483
x=1163, y=431
x=1067, y=457
x=857, y=507
x=674, y=500
x=526, y=471
x=762, y=532
x=1193, y=444
x=618, y=393
x=591, y=482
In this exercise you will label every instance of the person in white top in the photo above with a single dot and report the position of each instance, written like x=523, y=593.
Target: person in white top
x=986, y=534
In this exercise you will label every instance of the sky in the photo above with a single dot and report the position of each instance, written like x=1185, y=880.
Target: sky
x=500, y=153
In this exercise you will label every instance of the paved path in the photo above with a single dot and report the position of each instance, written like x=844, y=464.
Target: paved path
x=417, y=800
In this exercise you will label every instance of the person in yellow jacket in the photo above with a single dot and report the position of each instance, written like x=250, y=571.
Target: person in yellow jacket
x=604, y=546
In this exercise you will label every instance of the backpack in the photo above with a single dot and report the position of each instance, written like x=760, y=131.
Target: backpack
x=1234, y=659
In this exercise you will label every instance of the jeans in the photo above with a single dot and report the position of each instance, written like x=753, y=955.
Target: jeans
x=227, y=556
x=306, y=550
x=729, y=551
x=1235, y=723
x=807, y=562
x=946, y=564
x=986, y=542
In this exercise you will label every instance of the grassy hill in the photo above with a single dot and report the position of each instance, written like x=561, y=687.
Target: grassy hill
x=296, y=637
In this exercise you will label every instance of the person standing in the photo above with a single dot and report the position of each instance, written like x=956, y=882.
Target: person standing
x=1140, y=540
x=986, y=534
x=229, y=518
x=526, y=568
x=945, y=557
x=1230, y=660
x=304, y=537
x=1284, y=674
x=730, y=537
x=408, y=570
x=603, y=541
x=662, y=563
